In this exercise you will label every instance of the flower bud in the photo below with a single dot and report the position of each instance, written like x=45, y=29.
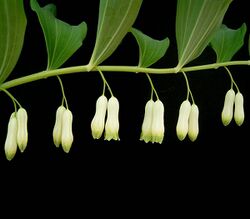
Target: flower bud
x=57, y=130
x=67, y=134
x=239, y=109
x=22, y=130
x=97, y=124
x=146, y=130
x=10, y=146
x=193, y=123
x=158, y=128
x=227, y=112
x=182, y=123
x=112, y=123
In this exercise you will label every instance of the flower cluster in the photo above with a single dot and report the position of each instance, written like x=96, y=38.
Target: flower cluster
x=153, y=123
x=62, y=131
x=233, y=107
x=17, y=133
x=188, y=123
x=111, y=126
x=106, y=119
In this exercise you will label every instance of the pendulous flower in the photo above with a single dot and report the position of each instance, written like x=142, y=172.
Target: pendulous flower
x=112, y=123
x=153, y=122
x=57, y=130
x=193, y=123
x=98, y=122
x=239, y=109
x=182, y=123
x=146, y=130
x=22, y=129
x=158, y=128
x=227, y=111
x=67, y=134
x=10, y=146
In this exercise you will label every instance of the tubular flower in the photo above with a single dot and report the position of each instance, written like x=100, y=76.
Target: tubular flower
x=10, y=146
x=158, y=128
x=227, y=112
x=193, y=123
x=146, y=130
x=22, y=130
x=239, y=109
x=57, y=130
x=67, y=134
x=182, y=123
x=112, y=123
x=97, y=124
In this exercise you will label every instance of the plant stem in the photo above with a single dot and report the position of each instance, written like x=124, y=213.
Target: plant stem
x=232, y=79
x=152, y=87
x=64, y=99
x=187, y=84
x=134, y=69
x=105, y=83
x=14, y=100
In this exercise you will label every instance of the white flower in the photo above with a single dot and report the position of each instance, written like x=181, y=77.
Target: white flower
x=97, y=123
x=158, y=122
x=57, y=130
x=193, y=123
x=146, y=130
x=22, y=130
x=239, y=109
x=227, y=112
x=67, y=134
x=153, y=123
x=10, y=146
x=182, y=123
x=112, y=123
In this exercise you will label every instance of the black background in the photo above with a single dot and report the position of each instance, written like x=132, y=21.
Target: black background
x=218, y=150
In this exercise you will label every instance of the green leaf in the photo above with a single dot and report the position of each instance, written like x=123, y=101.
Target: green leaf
x=249, y=44
x=116, y=17
x=196, y=22
x=226, y=42
x=151, y=50
x=12, y=31
x=62, y=39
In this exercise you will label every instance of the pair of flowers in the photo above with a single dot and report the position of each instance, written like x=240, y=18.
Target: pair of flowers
x=111, y=107
x=62, y=131
x=233, y=107
x=153, y=123
x=188, y=123
x=17, y=133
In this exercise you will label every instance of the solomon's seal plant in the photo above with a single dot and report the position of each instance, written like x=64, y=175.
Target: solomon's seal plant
x=198, y=25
